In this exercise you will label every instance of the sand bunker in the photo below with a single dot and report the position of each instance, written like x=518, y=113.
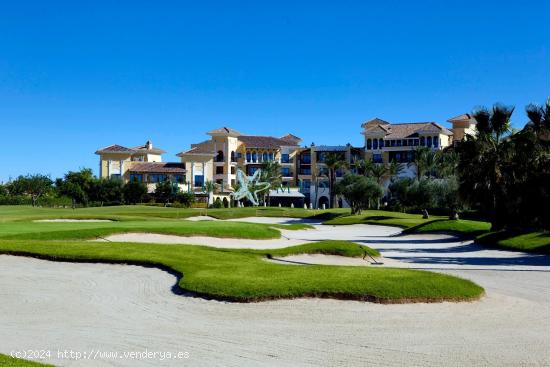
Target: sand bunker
x=321, y=259
x=167, y=239
x=199, y=218
x=72, y=220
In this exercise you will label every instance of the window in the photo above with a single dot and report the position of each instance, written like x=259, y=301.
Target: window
x=398, y=143
x=252, y=170
x=219, y=170
x=271, y=156
x=377, y=158
x=265, y=157
x=436, y=141
x=232, y=170
x=305, y=171
x=285, y=171
x=416, y=142
x=248, y=157
x=429, y=141
x=239, y=155
x=306, y=159
x=254, y=156
x=422, y=141
x=375, y=144
x=381, y=143
x=134, y=177
x=154, y=178
x=219, y=157
x=285, y=158
x=199, y=180
x=306, y=185
x=392, y=143
x=179, y=179
x=233, y=159
x=369, y=144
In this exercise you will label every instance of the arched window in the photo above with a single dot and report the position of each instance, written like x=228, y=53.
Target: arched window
x=375, y=144
x=429, y=141
x=233, y=158
x=422, y=141
x=381, y=143
x=254, y=157
x=264, y=157
x=369, y=144
x=436, y=141
x=270, y=156
x=219, y=157
x=248, y=156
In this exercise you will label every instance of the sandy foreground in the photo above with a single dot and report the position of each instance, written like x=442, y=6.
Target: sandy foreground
x=88, y=308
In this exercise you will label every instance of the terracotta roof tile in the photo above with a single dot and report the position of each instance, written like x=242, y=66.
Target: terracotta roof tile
x=157, y=167
x=291, y=139
x=253, y=141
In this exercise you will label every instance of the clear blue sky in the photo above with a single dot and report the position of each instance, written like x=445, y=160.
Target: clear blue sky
x=76, y=76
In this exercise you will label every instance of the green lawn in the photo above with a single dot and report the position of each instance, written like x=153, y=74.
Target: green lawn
x=7, y=361
x=530, y=242
x=236, y=275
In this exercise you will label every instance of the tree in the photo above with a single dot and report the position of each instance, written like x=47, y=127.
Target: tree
x=106, y=191
x=77, y=185
x=166, y=191
x=539, y=121
x=134, y=192
x=271, y=173
x=425, y=161
x=359, y=191
x=34, y=186
x=333, y=161
x=483, y=161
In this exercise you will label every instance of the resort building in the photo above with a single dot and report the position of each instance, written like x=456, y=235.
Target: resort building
x=142, y=163
x=227, y=150
x=303, y=169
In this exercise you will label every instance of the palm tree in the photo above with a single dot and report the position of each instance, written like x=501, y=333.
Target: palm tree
x=378, y=171
x=209, y=188
x=539, y=120
x=483, y=159
x=333, y=161
x=447, y=163
x=271, y=172
x=425, y=161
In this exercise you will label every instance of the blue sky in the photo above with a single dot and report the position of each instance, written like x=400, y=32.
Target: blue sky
x=76, y=76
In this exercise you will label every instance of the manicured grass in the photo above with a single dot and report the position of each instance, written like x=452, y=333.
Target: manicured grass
x=7, y=361
x=244, y=276
x=340, y=248
x=530, y=242
x=468, y=228
x=85, y=231
x=225, y=274
x=381, y=217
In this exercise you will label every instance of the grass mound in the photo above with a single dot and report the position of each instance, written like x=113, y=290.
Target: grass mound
x=530, y=242
x=339, y=248
x=7, y=361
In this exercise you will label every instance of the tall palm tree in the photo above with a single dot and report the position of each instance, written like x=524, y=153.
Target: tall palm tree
x=378, y=171
x=425, y=161
x=483, y=159
x=271, y=172
x=333, y=161
x=539, y=120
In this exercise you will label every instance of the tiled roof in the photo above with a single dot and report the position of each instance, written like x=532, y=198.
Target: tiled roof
x=206, y=147
x=115, y=148
x=404, y=130
x=374, y=122
x=157, y=167
x=252, y=141
x=224, y=130
x=463, y=117
x=291, y=139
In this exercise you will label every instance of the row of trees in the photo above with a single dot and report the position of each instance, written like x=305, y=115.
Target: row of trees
x=505, y=174
x=82, y=188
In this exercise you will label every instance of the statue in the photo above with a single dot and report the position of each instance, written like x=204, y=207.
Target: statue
x=249, y=187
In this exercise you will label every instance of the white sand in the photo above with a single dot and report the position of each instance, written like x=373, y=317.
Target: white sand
x=47, y=305
x=199, y=218
x=320, y=259
x=73, y=220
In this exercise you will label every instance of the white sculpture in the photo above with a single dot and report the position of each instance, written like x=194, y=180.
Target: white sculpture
x=249, y=187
